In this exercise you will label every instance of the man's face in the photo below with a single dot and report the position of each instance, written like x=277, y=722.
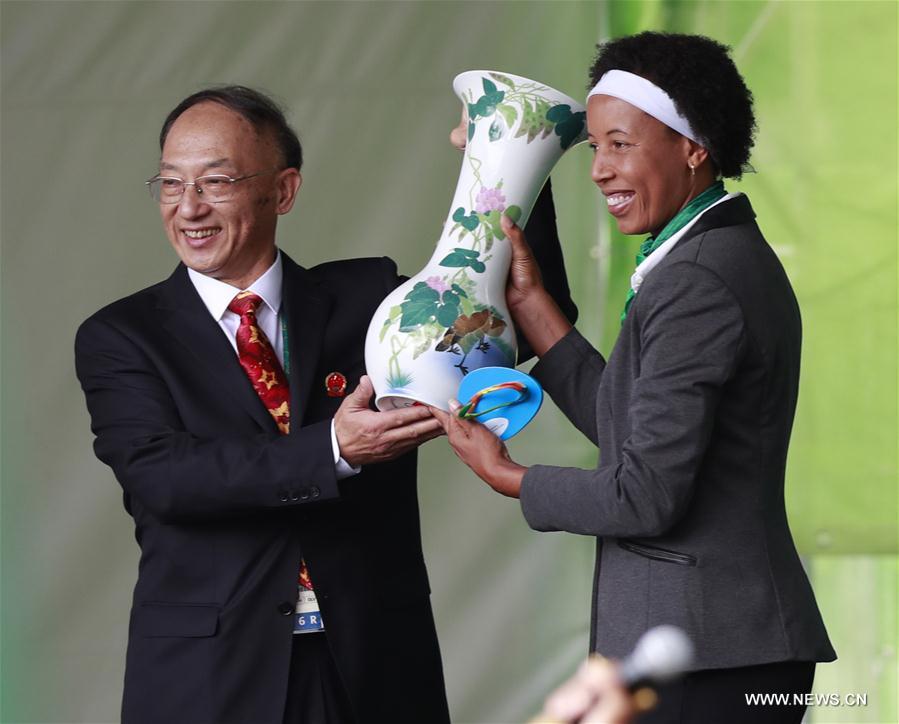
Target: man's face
x=234, y=240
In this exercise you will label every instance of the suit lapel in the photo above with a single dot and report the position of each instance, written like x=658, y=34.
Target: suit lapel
x=305, y=306
x=190, y=323
x=728, y=213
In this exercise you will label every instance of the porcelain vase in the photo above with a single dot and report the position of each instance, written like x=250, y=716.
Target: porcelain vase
x=452, y=317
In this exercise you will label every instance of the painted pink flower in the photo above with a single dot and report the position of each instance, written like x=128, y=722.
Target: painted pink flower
x=437, y=284
x=489, y=200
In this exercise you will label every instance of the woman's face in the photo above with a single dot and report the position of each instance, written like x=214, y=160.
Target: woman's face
x=640, y=165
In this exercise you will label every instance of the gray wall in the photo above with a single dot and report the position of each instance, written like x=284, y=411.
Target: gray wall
x=368, y=85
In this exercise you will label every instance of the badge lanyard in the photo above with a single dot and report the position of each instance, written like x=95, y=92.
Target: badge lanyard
x=284, y=342
x=307, y=618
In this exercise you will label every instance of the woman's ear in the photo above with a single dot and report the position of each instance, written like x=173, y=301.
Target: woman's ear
x=696, y=154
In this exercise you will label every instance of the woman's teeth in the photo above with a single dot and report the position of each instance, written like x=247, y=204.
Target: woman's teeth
x=618, y=199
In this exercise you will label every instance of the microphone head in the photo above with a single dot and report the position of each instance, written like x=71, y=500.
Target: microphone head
x=663, y=653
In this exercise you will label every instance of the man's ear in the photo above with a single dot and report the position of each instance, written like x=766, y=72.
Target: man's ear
x=288, y=185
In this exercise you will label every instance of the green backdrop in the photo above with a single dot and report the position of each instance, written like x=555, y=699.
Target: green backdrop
x=85, y=86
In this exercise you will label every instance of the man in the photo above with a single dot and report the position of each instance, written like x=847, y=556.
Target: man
x=219, y=398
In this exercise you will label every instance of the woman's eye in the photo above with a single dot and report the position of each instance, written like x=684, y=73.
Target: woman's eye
x=619, y=145
x=593, y=147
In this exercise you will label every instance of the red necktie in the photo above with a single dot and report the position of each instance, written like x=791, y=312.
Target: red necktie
x=261, y=365
x=257, y=357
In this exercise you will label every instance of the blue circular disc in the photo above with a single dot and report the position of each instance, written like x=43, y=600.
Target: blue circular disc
x=511, y=419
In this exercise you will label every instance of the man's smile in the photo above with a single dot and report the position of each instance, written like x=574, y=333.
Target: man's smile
x=198, y=237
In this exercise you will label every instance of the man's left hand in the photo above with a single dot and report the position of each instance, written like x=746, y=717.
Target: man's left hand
x=365, y=436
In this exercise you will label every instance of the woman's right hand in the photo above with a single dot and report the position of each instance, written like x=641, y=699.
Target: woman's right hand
x=525, y=282
x=535, y=312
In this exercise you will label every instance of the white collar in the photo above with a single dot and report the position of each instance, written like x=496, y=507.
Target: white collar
x=217, y=295
x=652, y=261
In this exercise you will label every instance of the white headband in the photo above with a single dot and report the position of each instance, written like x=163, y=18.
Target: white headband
x=646, y=96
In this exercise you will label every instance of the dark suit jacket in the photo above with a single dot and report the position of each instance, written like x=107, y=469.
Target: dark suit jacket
x=692, y=415
x=224, y=505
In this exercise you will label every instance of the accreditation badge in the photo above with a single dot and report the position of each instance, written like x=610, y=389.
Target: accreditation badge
x=307, y=617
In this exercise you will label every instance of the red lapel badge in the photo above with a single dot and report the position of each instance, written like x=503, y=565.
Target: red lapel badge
x=335, y=384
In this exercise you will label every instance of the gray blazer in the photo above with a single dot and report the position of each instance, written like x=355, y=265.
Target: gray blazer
x=692, y=415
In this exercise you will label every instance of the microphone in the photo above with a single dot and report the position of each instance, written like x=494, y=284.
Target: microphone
x=620, y=690
x=662, y=654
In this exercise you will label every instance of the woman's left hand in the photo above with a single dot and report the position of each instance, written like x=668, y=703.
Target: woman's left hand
x=482, y=451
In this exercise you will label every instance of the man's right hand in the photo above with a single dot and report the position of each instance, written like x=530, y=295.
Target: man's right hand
x=365, y=436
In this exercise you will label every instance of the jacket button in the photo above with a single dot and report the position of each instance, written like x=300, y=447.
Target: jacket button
x=315, y=491
x=294, y=497
x=283, y=497
x=285, y=608
x=304, y=494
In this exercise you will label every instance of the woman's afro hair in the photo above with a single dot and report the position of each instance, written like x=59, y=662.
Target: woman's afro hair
x=699, y=75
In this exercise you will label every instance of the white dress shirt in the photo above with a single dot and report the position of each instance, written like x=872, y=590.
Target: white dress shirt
x=217, y=296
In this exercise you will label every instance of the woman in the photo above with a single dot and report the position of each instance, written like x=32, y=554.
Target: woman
x=693, y=409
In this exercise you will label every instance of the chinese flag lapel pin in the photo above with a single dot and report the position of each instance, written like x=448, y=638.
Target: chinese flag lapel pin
x=335, y=384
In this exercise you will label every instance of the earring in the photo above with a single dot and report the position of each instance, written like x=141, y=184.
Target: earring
x=692, y=169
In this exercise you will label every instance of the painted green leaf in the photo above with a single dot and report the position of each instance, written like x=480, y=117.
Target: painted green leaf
x=470, y=222
x=384, y=328
x=455, y=259
x=497, y=131
x=470, y=130
x=421, y=292
x=558, y=113
x=509, y=113
x=513, y=212
x=504, y=79
x=466, y=307
x=571, y=128
x=447, y=314
x=489, y=86
x=421, y=348
x=459, y=290
x=459, y=214
x=493, y=220
x=478, y=266
x=416, y=314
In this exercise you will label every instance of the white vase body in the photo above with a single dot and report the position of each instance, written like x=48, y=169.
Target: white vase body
x=452, y=317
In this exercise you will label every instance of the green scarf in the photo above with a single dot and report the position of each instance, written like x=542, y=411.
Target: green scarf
x=681, y=219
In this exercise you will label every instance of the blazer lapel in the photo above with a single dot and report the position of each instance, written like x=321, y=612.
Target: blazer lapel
x=305, y=306
x=728, y=213
x=190, y=323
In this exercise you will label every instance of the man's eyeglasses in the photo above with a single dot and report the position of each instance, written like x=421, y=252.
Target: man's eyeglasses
x=212, y=189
